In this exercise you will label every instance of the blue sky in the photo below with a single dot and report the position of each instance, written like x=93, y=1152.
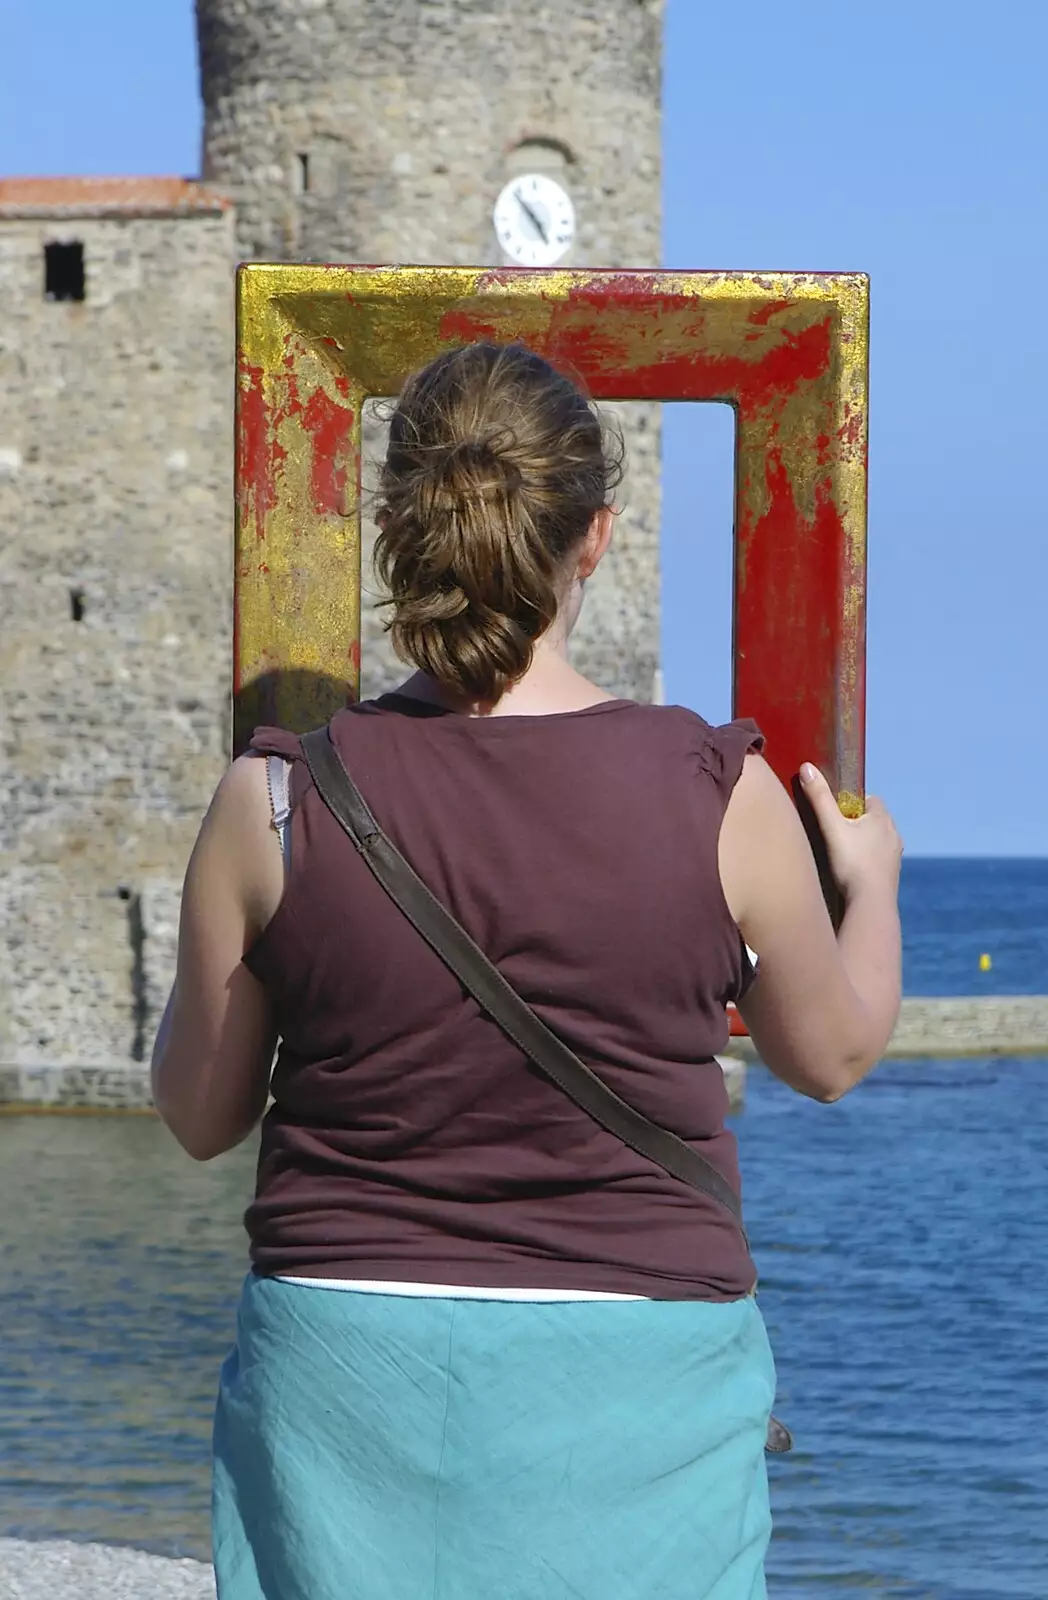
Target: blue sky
x=906, y=140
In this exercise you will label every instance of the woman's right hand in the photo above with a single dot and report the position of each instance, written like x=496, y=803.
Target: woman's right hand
x=823, y=1005
x=864, y=852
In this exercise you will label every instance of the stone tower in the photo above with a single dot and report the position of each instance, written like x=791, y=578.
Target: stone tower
x=335, y=130
x=383, y=131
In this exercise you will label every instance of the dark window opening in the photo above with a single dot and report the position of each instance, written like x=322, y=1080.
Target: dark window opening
x=123, y=893
x=64, y=271
x=303, y=174
x=139, y=988
x=76, y=604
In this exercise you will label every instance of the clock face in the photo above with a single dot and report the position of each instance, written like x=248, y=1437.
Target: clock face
x=534, y=220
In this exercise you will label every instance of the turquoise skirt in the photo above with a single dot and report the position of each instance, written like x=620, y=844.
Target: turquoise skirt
x=384, y=1447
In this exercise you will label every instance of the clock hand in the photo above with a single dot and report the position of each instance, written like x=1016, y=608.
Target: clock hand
x=534, y=217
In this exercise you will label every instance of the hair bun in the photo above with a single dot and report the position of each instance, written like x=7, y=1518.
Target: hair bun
x=445, y=604
x=495, y=469
x=479, y=455
x=476, y=466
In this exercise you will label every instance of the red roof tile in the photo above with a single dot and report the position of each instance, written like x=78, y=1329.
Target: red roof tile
x=85, y=197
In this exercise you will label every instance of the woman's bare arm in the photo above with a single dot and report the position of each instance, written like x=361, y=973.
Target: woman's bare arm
x=822, y=1007
x=214, y=1050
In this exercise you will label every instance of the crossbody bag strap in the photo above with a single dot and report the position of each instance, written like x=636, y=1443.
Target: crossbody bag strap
x=489, y=988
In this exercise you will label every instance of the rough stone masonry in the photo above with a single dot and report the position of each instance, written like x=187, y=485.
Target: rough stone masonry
x=335, y=130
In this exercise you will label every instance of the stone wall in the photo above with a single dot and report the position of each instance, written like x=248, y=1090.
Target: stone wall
x=115, y=606
x=383, y=130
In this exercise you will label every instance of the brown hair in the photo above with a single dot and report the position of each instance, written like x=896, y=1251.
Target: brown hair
x=496, y=466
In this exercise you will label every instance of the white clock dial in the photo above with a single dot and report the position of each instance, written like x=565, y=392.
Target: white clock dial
x=534, y=220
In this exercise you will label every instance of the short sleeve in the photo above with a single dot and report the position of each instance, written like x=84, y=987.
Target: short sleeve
x=279, y=742
x=723, y=753
x=726, y=748
x=276, y=742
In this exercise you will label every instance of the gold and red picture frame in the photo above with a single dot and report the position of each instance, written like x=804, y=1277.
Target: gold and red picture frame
x=787, y=350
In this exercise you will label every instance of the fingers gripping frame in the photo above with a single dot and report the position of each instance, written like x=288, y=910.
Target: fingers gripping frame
x=789, y=351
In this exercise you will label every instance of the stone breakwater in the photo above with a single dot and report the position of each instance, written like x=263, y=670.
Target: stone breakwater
x=125, y=1087
x=1015, y=1025
x=1012, y=1025
x=1004, y=1025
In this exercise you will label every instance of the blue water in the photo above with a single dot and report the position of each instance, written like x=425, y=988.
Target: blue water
x=955, y=911
x=900, y=1236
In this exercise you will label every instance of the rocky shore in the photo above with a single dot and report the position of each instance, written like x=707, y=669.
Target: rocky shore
x=53, y=1570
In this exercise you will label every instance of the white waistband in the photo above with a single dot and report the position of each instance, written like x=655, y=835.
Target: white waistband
x=452, y=1291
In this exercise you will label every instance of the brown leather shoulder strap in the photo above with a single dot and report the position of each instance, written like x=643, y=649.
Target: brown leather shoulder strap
x=489, y=988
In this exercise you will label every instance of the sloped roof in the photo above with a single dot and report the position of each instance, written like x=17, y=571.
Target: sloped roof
x=102, y=197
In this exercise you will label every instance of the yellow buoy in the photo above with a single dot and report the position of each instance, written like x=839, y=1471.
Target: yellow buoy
x=985, y=963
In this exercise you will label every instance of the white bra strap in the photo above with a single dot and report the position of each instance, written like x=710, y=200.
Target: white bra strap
x=278, y=772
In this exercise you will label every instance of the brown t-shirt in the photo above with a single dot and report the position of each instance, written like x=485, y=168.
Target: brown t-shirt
x=409, y=1139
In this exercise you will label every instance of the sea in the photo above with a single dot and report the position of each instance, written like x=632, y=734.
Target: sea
x=901, y=1237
